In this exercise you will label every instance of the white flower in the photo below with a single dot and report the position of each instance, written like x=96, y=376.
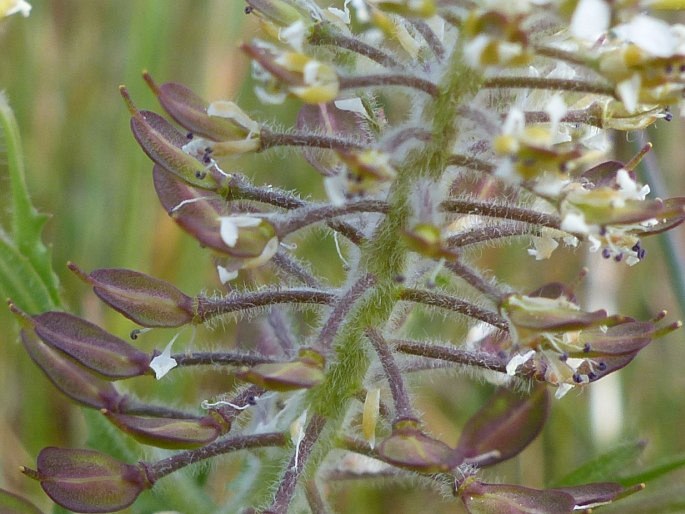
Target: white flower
x=590, y=19
x=574, y=222
x=231, y=111
x=9, y=7
x=164, y=363
x=629, y=92
x=226, y=275
x=293, y=35
x=629, y=188
x=656, y=37
x=544, y=246
x=518, y=360
x=354, y=105
x=230, y=226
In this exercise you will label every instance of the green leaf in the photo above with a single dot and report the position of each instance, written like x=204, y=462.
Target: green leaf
x=606, y=467
x=21, y=281
x=26, y=227
x=13, y=504
x=662, y=467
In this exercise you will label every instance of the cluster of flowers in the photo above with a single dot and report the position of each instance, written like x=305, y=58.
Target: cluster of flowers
x=503, y=134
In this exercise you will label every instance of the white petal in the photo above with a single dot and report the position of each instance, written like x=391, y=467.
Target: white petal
x=629, y=92
x=164, y=363
x=590, y=19
x=562, y=390
x=19, y=6
x=574, y=222
x=231, y=111
x=518, y=360
x=231, y=224
x=544, y=246
x=650, y=34
x=353, y=105
x=293, y=34
x=556, y=109
x=225, y=275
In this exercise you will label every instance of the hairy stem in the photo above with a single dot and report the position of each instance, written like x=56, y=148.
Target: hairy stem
x=454, y=304
x=400, y=396
x=208, y=308
x=324, y=34
x=339, y=314
x=288, y=482
x=573, y=86
x=164, y=467
x=451, y=354
x=409, y=81
x=309, y=215
x=501, y=211
x=270, y=139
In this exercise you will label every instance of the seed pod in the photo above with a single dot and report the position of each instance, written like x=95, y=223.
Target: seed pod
x=504, y=426
x=302, y=373
x=170, y=433
x=70, y=378
x=146, y=300
x=88, y=481
x=482, y=498
x=164, y=145
x=91, y=346
x=408, y=447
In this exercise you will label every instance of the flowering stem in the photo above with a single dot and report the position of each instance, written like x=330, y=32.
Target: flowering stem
x=404, y=135
x=164, y=467
x=314, y=498
x=389, y=80
x=211, y=358
x=430, y=37
x=309, y=215
x=562, y=55
x=481, y=235
x=324, y=34
x=454, y=304
x=292, y=267
x=342, y=309
x=471, y=163
x=451, y=354
x=208, y=308
x=296, y=466
x=501, y=211
x=270, y=139
x=400, y=397
x=240, y=188
x=472, y=278
x=590, y=116
x=573, y=86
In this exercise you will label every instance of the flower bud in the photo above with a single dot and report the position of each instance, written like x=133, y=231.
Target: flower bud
x=88, y=481
x=367, y=170
x=426, y=239
x=146, y=300
x=302, y=373
x=91, y=346
x=408, y=447
x=164, y=145
x=170, y=433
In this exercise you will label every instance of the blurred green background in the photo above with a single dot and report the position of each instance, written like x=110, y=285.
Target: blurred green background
x=60, y=69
